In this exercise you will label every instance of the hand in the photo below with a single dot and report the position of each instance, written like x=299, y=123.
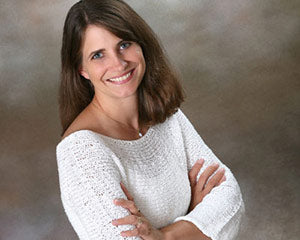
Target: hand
x=201, y=188
x=143, y=227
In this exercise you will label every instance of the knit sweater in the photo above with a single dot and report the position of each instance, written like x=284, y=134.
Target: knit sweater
x=154, y=169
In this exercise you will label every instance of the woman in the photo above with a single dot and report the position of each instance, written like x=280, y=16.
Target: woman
x=128, y=157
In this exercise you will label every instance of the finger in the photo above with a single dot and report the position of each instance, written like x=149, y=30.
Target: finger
x=205, y=175
x=130, y=219
x=222, y=180
x=142, y=230
x=130, y=233
x=214, y=181
x=128, y=204
x=128, y=195
x=194, y=172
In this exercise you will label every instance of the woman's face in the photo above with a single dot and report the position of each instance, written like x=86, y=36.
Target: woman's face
x=114, y=66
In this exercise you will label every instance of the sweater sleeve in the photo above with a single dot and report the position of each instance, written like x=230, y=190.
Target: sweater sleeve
x=89, y=181
x=219, y=214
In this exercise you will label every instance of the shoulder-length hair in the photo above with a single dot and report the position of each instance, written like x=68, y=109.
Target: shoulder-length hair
x=159, y=94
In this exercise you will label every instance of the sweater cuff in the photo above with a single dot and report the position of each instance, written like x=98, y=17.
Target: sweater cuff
x=202, y=218
x=198, y=224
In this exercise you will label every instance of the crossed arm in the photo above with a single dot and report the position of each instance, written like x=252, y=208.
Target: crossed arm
x=178, y=230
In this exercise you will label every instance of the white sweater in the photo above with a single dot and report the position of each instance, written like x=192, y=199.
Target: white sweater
x=154, y=169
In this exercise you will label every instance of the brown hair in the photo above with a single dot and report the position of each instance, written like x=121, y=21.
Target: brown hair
x=159, y=94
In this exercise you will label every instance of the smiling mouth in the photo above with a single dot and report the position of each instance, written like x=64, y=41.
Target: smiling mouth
x=123, y=79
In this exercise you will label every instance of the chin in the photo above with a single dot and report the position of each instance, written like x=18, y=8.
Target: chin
x=127, y=94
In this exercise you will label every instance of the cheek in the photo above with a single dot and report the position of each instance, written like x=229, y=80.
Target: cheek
x=139, y=55
x=97, y=72
x=138, y=50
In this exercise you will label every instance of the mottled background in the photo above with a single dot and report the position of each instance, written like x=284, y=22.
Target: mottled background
x=240, y=65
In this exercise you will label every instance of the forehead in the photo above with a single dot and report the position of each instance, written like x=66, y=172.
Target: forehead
x=97, y=37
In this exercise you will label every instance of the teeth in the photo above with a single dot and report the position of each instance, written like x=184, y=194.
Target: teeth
x=119, y=79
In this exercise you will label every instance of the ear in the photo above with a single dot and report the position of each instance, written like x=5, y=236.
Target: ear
x=84, y=74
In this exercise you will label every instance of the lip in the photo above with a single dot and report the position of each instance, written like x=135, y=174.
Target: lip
x=124, y=81
x=121, y=75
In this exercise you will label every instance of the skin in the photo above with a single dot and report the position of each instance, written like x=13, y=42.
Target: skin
x=117, y=57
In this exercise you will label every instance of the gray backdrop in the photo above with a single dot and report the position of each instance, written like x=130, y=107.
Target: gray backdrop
x=239, y=62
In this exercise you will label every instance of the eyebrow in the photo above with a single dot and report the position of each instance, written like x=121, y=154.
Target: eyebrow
x=102, y=49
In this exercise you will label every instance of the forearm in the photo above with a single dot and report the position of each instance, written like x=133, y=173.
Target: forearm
x=183, y=230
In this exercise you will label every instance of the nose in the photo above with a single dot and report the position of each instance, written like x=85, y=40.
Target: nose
x=117, y=62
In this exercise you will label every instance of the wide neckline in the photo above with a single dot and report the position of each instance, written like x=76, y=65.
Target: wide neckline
x=116, y=140
x=146, y=137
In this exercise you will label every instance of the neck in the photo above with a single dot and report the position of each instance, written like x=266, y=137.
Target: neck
x=121, y=110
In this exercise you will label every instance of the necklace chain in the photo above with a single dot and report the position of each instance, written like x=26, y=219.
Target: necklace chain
x=127, y=126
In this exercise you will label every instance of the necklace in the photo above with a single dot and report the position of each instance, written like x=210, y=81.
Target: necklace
x=136, y=131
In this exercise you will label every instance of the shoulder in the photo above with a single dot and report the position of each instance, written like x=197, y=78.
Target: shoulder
x=81, y=122
x=77, y=141
x=179, y=114
x=83, y=155
x=182, y=118
x=81, y=139
x=186, y=126
x=84, y=149
x=86, y=120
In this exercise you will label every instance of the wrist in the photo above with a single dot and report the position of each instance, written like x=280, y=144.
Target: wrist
x=182, y=230
x=167, y=233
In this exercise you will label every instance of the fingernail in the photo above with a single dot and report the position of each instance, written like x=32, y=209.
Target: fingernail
x=222, y=170
x=200, y=161
x=116, y=200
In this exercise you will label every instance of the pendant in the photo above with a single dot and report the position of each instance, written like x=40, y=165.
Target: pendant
x=140, y=134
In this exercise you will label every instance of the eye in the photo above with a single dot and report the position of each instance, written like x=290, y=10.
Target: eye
x=125, y=45
x=97, y=55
